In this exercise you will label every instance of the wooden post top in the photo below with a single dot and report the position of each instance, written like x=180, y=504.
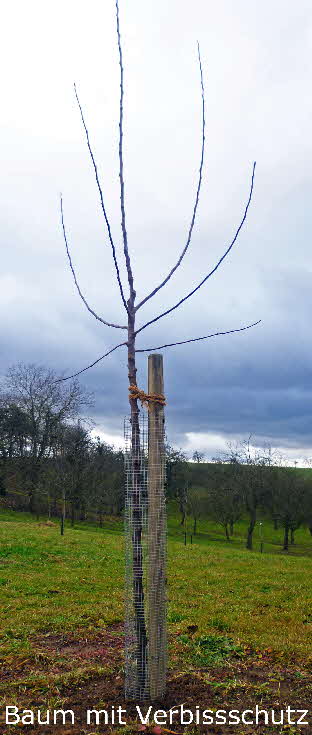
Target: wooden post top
x=155, y=373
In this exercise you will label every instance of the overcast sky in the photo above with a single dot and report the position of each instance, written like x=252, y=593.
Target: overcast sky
x=257, y=65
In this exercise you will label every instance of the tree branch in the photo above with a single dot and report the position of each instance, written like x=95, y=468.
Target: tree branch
x=121, y=176
x=61, y=380
x=102, y=200
x=108, y=324
x=197, y=339
x=160, y=347
x=190, y=232
x=164, y=313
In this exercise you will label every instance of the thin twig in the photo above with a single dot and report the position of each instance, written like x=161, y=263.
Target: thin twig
x=151, y=349
x=102, y=200
x=60, y=380
x=197, y=339
x=190, y=232
x=108, y=324
x=164, y=313
x=121, y=176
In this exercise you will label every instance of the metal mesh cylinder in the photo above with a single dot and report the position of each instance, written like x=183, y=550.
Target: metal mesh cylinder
x=145, y=550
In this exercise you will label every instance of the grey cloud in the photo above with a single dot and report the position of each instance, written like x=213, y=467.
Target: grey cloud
x=257, y=72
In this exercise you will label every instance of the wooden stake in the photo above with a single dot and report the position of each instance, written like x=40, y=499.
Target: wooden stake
x=157, y=639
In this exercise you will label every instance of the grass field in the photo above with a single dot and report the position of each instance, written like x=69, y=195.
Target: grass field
x=240, y=623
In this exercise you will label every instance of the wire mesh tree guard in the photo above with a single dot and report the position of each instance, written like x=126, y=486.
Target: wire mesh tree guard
x=145, y=550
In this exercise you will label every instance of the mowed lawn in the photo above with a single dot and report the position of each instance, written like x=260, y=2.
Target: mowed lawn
x=50, y=583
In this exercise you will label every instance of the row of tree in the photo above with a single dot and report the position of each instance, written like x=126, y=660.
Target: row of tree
x=246, y=481
x=47, y=453
x=54, y=465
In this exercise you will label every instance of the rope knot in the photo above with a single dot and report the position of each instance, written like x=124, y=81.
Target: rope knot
x=146, y=398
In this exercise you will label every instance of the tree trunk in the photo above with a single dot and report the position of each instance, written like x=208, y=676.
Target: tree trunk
x=63, y=516
x=183, y=513
x=286, y=534
x=34, y=477
x=227, y=532
x=3, y=482
x=31, y=501
x=72, y=521
x=82, y=511
x=195, y=527
x=310, y=529
x=138, y=590
x=275, y=524
x=292, y=536
x=252, y=523
x=231, y=528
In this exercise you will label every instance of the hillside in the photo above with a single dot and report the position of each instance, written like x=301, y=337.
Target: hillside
x=240, y=623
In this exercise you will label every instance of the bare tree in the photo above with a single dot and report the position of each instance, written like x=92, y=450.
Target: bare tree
x=224, y=498
x=197, y=504
x=252, y=476
x=198, y=456
x=106, y=479
x=291, y=499
x=131, y=308
x=178, y=479
x=45, y=403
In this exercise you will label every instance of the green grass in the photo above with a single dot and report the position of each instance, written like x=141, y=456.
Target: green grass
x=235, y=598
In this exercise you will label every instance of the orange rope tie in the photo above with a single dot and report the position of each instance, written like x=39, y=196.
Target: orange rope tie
x=146, y=398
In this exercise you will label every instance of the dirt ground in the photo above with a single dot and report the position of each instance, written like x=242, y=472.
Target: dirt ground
x=68, y=672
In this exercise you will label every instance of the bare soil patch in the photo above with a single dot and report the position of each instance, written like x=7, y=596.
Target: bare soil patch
x=84, y=671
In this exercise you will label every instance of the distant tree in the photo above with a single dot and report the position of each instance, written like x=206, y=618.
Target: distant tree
x=77, y=444
x=308, y=509
x=48, y=488
x=290, y=491
x=253, y=478
x=225, y=499
x=198, y=456
x=14, y=428
x=43, y=404
x=178, y=478
x=2, y=487
x=197, y=504
x=83, y=475
x=107, y=474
